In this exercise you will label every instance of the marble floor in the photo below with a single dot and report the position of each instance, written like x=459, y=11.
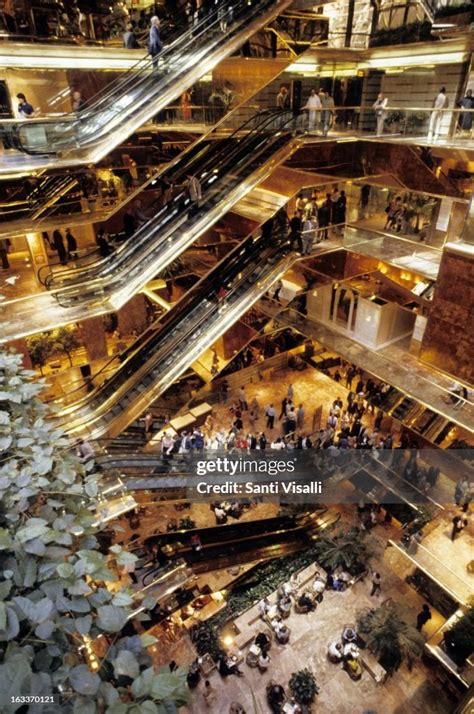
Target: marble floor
x=400, y=370
x=414, y=692
x=311, y=388
x=448, y=560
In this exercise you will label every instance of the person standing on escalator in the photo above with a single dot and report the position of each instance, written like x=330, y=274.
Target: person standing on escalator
x=195, y=191
x=155, y=44
x=58, y=245
x=25, y=110
x=71, y=245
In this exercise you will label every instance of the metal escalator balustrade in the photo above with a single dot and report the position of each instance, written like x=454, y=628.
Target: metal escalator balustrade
x=227, y=170
x=161, y=355
x=145, y=89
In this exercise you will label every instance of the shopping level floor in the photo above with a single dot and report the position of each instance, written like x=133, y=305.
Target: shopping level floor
x=415, y=692
x=313, y=389
x=394, y=366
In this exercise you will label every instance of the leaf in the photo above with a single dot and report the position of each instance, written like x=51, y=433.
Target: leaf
x=45, y=630
x=30, y=573
x=31, y=531
x=36, y=612
x=5, y=539
x=148, y=640
x=13, y=677
x=5, y=587
x=13, y=626
x=125, y=558
x=117, y=708
x=80, y=587
x=91, y=489
x=109, y=693
x=141, y=687
x=35, y=547
x=65, y=570
x=111, y=618
x=5, y=442
x=122, y=599
x=79, y=604
x=84, y=706
x=43, y=465
x=83, y=681
x=83, y=624
x=126, y=663
x=169, y=685
x=149, y=707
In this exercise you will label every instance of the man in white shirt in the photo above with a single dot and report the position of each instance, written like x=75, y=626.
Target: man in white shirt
x=335, y=652
x=380, y=113
x=319, y=587
x=436, y=118
x=277, y=445
x=270, y=413
x=263, y=607
x=312, y=106
x=310, y=227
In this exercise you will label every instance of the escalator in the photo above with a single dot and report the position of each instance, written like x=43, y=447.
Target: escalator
x=226, y=169
x=139, y=94
x=236, y=543
x=35, y=196
x=157, y=358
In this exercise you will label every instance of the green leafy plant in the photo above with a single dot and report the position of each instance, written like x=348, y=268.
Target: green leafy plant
x=395, y=117
x=67, y=341
x=206, y=641
x=389, y=637
x=350, y=550
x=303, y=686
x=413, y=32
x=40, y=347
x=459, y=639
x=415, y=119
x=53, y=598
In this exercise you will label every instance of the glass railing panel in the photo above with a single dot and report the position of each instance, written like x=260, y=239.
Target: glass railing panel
x=191, y=326
x=137, y=94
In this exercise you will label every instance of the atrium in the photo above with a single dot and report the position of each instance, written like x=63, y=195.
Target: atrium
x=236, y=357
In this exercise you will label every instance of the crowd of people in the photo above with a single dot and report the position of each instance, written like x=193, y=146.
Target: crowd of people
x=287, y=424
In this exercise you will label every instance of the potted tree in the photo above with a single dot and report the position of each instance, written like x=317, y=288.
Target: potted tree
x=67, y=341
x=40, y=348
x=395, y=120
x=350, y=550
x=303, y=687
x=389, y=637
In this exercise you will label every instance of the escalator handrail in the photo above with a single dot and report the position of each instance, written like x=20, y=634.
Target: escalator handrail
x=191, y=325
x=147, y=224
x=151, y=334
x=189, y=37
x=124, y=79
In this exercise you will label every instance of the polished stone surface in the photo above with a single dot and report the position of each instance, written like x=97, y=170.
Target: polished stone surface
x=408, y=375
x=415, y=692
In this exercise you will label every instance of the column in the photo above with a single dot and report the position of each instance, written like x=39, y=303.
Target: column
x=93, y=335
x=133, y=316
